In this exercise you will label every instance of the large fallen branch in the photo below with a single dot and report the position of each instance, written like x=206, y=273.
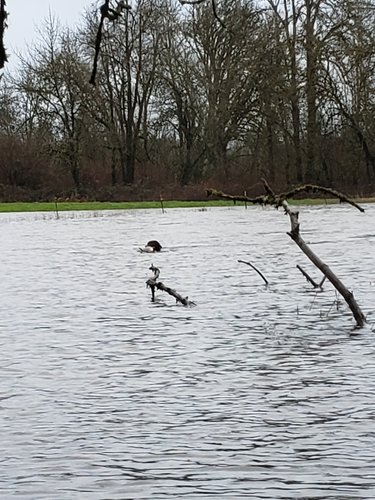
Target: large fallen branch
x=277, y=200
x=153, y=284
x=270, y=198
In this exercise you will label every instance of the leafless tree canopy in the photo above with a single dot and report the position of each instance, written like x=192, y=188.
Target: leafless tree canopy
x=191, y=93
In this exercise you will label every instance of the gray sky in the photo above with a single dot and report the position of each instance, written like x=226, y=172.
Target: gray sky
x=26, y=16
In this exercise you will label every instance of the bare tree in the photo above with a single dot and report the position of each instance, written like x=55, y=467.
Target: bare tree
x=288, y=15
x=349, y=82
x=128, y=57
x=227, y=56
x=179, y=99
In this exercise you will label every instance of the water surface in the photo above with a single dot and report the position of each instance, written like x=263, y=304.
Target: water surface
x=257, y=392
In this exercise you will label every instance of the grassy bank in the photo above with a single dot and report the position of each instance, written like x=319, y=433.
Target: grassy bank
x=96, y=205
x=105, y=205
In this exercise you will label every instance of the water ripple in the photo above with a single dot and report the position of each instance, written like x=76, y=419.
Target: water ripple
x=258, y=392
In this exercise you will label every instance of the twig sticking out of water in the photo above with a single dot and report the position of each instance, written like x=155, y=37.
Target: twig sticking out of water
x=255, y=269
x=153, y=284
x=310, y=280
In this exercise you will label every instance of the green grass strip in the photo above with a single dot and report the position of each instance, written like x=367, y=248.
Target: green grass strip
x=105, y=205
x=128, y=205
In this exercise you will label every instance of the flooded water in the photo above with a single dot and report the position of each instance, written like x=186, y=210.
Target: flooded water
x=257, y=392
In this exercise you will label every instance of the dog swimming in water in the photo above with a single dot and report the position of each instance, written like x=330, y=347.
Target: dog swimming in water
x=151, y=247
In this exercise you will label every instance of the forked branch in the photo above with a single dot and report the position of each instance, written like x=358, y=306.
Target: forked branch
x=312, y=188
x=310, y=279
x=106, y=12
x=213, y=4
x=154, y=284
x=280, y=200
x=277, y=199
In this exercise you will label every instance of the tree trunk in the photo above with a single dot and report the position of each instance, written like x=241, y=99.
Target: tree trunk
x=74, y=161
x=297, y=140
x=270, y=167
x=311, y=76
x=129, y=167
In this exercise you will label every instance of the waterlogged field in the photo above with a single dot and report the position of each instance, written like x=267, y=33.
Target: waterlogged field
x=257, y=392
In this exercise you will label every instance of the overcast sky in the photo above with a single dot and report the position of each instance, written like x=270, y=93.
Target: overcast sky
x=26, y=16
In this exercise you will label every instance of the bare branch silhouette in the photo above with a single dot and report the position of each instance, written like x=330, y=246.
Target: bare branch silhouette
x=214, y=8
x=3, y=26
x=106, y=12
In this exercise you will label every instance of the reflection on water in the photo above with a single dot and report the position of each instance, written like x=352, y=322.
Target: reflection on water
x=255, y=393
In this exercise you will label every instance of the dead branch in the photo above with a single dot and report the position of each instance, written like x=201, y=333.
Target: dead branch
x=294, y=233
x=213, y=4
x=309, y=279
x=277, y=199
x=280, y=201
x=106, y=12
x=255, y=269
x=311, y=188
x=153, y=284
x=258, y=200
x=3, y=26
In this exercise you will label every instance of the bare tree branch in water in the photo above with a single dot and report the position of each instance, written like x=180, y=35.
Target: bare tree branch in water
x=310, y=279
x=255, y=269
x=272, y=199
x=153, y=284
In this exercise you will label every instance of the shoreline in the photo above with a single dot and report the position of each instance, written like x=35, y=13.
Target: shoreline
x=65, y=206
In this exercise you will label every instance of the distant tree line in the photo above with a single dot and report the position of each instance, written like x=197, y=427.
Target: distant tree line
x=282, y=89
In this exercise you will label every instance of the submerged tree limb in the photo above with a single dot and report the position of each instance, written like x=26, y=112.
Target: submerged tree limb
x=255, y=269
x=309, y=278
x=153, y=284
x=280, y=201
x=294, y=233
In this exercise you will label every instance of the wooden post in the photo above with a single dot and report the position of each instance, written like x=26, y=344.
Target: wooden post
x=56, y=209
